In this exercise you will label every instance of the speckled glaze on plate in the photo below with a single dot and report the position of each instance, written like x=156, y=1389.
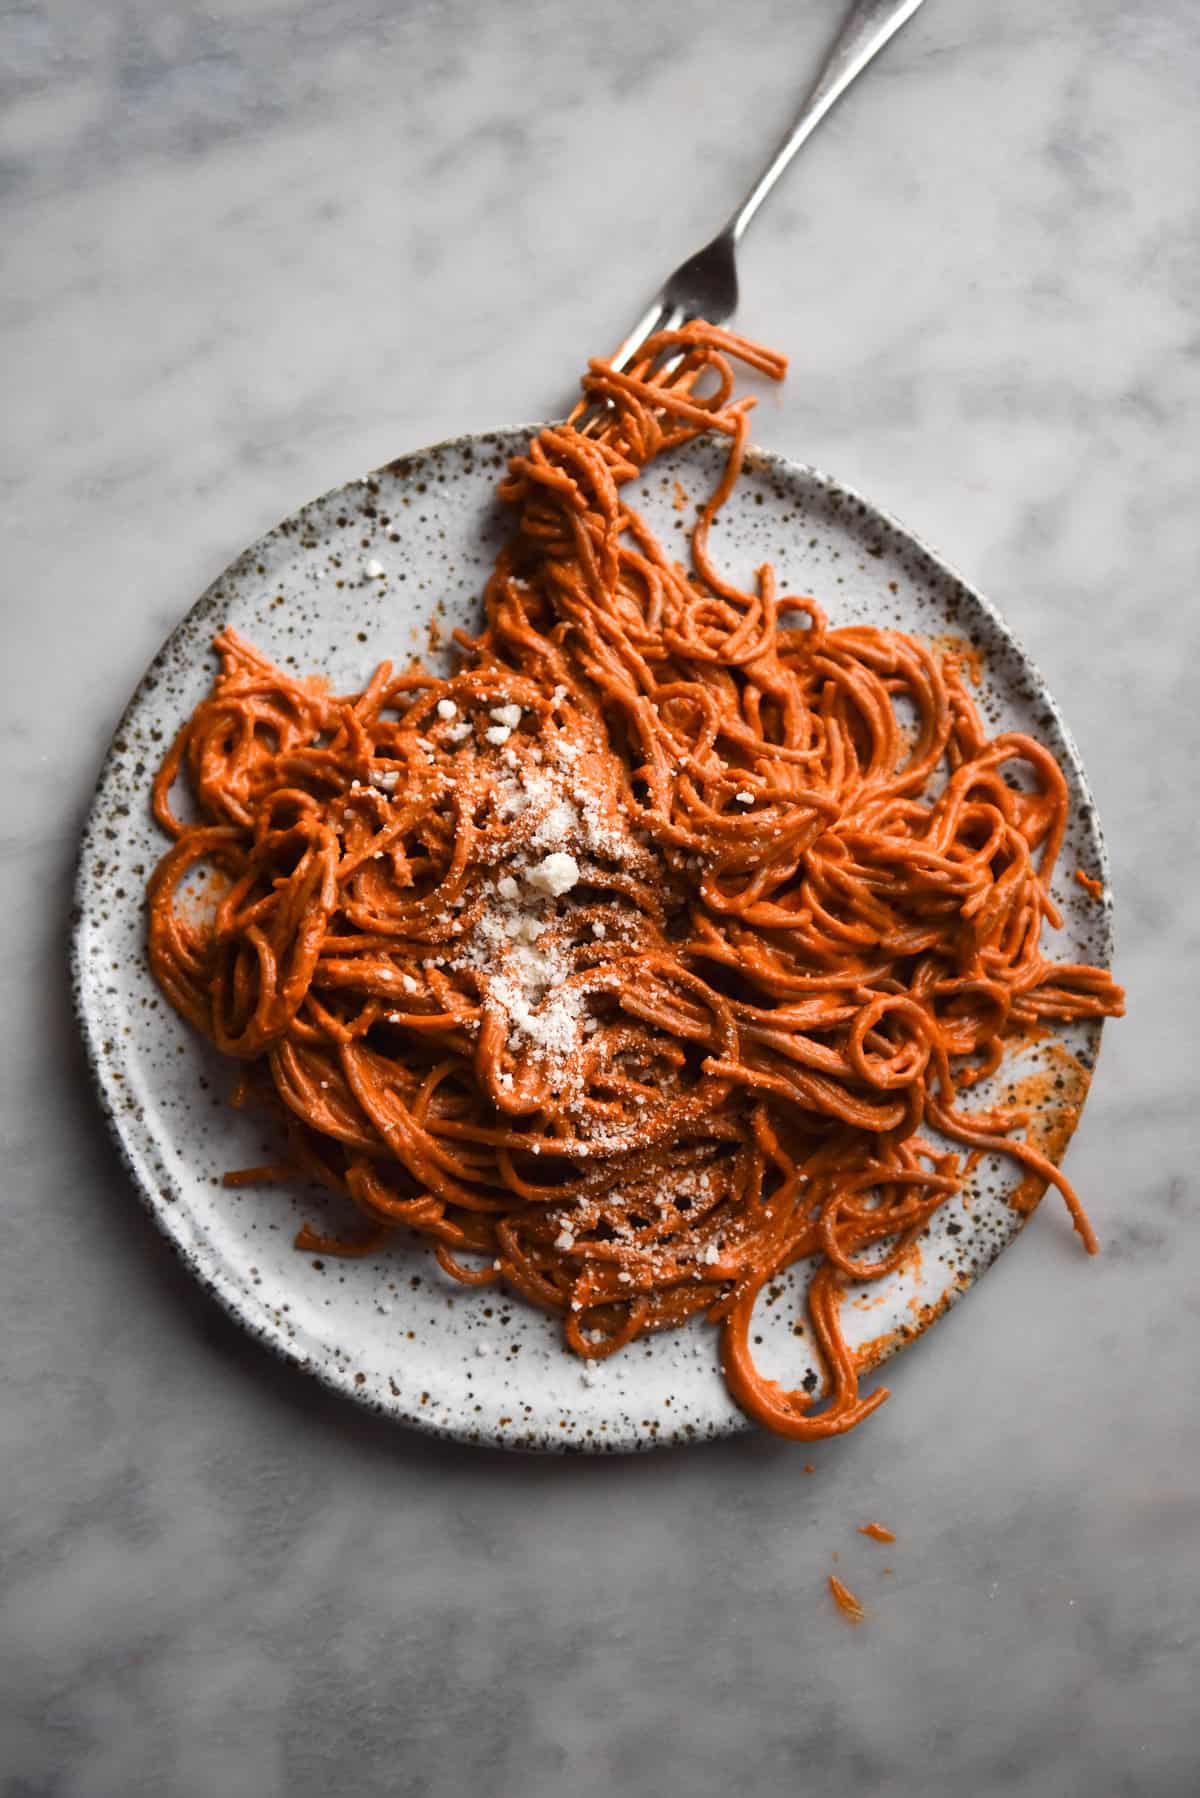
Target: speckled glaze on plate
x=393, y=1332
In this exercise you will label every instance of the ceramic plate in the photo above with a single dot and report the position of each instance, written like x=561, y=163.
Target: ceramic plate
x=392, y=1332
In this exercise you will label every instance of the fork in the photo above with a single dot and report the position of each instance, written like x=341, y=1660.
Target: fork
x=706, y=285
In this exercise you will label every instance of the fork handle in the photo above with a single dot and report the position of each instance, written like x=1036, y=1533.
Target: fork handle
x=865, y=32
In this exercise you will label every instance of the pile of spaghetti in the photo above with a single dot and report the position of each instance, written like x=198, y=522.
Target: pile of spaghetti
x=629, y=962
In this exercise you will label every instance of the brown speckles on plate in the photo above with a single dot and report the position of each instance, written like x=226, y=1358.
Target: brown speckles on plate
x=304, y=594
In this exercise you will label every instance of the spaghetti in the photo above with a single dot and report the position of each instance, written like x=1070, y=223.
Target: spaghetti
x=636, y=959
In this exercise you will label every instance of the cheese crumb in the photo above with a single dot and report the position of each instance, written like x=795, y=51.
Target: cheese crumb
x=447, y=709
x=554, y=875
x=507, y=714
x=744, y=798
x=498, y=734
x=564, y=1239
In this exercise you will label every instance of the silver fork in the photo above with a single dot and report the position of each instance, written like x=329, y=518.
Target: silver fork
x=706, y=285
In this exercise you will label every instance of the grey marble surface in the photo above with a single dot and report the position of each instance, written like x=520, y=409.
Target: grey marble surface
x=252, y=247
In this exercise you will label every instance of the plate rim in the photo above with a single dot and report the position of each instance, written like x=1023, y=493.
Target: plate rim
x=260, y=1325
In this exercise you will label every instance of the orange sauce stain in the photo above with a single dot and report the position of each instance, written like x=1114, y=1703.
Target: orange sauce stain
x=1032, y=1032
x=912, y=1267
x=870, y=1354
x=199, y=896
x=964, y=651
x=1053, y=1095
x=850, y=1607
x=882, y=1293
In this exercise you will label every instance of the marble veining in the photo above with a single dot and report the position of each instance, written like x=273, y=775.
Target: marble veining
x=254, y=247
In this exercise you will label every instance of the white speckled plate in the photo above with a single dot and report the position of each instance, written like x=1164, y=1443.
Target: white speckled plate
x=393, y=1332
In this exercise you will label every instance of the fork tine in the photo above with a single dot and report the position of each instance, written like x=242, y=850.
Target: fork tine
x=658, y=316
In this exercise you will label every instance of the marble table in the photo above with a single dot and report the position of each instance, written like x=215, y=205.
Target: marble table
x=255, y=246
